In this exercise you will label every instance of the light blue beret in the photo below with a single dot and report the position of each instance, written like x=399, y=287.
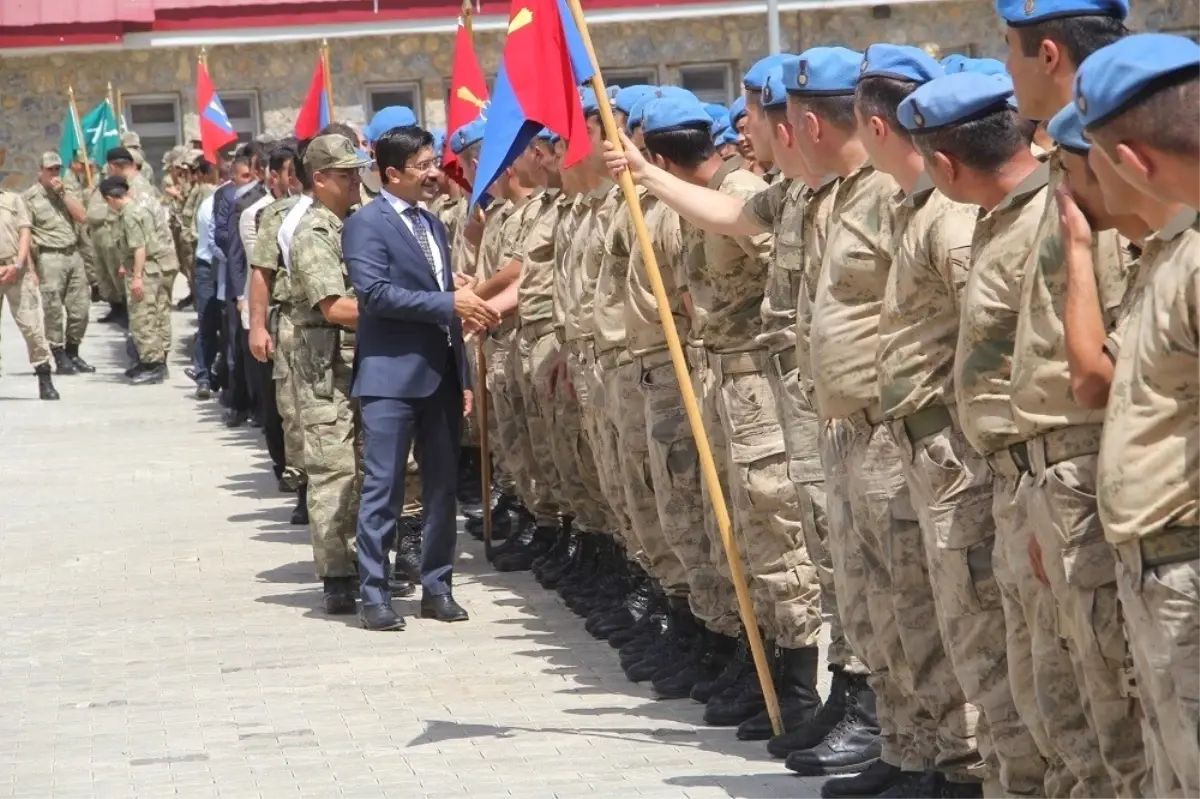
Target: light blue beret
x=657, y=93
x=981, y=66
x=1130, y=69
x=822, y=71
x=587, y=96
x=439, y=141
x=467, y=135
x=1018, y=13
x=394, y=116
x=667, y=113
x=756, y=76
x=737, y=111
x=629, y=95
x=773, y=94
x=953, y=100
x=899, y=61
x=716, y=111
x=1066, y=128
x=727, y=136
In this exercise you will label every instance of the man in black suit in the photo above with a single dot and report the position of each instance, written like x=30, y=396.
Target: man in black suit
x=410, y=372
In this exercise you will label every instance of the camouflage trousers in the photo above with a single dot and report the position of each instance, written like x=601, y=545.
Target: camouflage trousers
x=150, y=319
x=1081, y=567
x=573, y=455
x=286, y=400
x=872, y=526
x=25, y=304
x=1162, y=616
x=412, y=487
x=605, y=438
x=505, y=431
x=470, y=423
x=87, y=252
x=678, y=493
x=951, y=488
x=332, y=450
x=801, y=442
x=186, y=253
x=532, y=352
x=1040, y=673
x=66, y=297
x=640, y=496
x=108, y=263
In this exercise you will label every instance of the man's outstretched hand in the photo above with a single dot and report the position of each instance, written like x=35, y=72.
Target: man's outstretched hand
x=630, y=159
x=476, y=314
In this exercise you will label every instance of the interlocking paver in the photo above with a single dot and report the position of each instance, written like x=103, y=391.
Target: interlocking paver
x=160, y=636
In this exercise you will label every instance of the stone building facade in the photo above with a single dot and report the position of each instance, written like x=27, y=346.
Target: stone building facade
x=263, y=85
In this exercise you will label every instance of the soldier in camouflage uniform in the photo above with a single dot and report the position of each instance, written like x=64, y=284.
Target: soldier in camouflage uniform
x=66, y=296
x=132, y=142
x=324, y=313
x=19, y=287
x=75, y=179
x=146, y=246
x=176, y=190
x=1041, y=677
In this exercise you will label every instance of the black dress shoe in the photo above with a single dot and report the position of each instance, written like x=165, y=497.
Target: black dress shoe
x=381, y=618
x=191, y=373
x=441, y=607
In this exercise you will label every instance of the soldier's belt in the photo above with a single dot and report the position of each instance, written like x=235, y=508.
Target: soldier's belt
x=868, y=417
x=1173, y=545
x=1010, y=461
x=726, y=364
x=654, y=359
x=1062, y=445
x=927, y=422
x=785, y=360
x=614, y=358
x=69, y=250
x=536, y=330
x=560, y=333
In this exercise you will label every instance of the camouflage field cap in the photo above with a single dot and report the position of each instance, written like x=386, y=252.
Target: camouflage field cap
x=131, y=139
x=51, y=160
x=333, y=151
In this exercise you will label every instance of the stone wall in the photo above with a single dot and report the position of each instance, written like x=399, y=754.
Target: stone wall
x=33, y=89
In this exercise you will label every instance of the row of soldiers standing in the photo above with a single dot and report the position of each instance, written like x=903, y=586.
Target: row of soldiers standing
x=887, y=333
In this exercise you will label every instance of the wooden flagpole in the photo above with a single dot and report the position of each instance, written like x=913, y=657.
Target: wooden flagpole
x=83, y=151
x=707, y=464
x=328, y=77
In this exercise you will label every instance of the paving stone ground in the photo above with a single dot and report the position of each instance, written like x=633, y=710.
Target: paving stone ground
x=158, y=636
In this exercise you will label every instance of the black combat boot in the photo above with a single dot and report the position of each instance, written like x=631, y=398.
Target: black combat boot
x=710, y=655
x=521, y=557
x=153, y=373
x=408, y=551
x=663, y=657
x=561, y=544
x=300, y=512
x=744, y=699
x=503, y=506
x=338, y=597
x=555, y=571
x=916, y=785
x=796, y=687
x=470, y=477
x=116, y=311
x=46, y=388
x=62, y=364
x=850, y=747
x=652, y=619
x=81, y=366
x=629, y=612
x=811, y=733
x=611, y=596
x=734, y=666
x=524, y=526
x=582, y=581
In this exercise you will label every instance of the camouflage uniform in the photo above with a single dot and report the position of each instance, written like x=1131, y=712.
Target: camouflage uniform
x=1148, y=482
x=878, y=550
x=950, y=483
x=24, y=299
x=66, y=297
x=144, y=225
x=463, y=256
x=322, y=362
x=267, y=255
x=784, y=208
x=675, y=476
x=81, y=192
x=1041, y=677
x=104, y=232
x=1062, y=441
x=725, y=278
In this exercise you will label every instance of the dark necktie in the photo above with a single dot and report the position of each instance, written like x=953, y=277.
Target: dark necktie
x=418, y=225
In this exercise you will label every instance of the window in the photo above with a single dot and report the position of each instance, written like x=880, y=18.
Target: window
x=242, y=110
x=631, y=77
x=383, y=95
x=710, y=82
x=156, y=119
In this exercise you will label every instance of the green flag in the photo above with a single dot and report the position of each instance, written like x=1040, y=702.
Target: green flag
x=100, y=134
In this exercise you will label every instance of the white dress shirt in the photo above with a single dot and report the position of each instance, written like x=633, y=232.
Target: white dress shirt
x=248, y=225
x=401, y=207
x=205, y=247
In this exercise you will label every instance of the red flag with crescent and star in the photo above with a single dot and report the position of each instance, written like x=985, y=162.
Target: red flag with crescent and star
x=468, y=98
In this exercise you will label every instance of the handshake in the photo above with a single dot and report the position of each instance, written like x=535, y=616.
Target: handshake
x=477, y=314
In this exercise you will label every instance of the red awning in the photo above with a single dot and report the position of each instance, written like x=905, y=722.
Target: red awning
x=38, y=13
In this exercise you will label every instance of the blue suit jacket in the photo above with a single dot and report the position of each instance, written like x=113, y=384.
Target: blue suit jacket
x=402, y=349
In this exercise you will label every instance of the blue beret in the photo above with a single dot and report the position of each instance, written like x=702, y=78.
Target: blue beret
x=756, y=76
x=953, y=100
x=467, y=135
x=1113, y=77
x=439, y=141
x=1018, y=13
x=716, y=110
x=629, y=95
x=955, y=63
x=587, y=96
x=665, y=113
x=726, y=136
x=658, y=93
x=900, y=61
x=1066, y=128
x=773, y=95
x=394, y=116
x=822, y=71
x=548, y=135
x=737, y=111
x=980, y=66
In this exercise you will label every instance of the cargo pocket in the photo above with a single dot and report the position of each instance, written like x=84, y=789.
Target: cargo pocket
x=751, y=421
x=316, y=348
x=1088, y=559
x=960, y=500
x=802, y=430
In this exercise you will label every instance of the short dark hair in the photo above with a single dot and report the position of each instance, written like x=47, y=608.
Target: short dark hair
x=836, y=109
x=302, y=173
x=753, y=97
x=880, y=96
x=257, y=153
x=776, y=114
x=1162, y=116
x=396, y=146
x=341, y=129
x=1079, y=36
x=240, y=159
x=203, y=166
x=114, y=186
x=280, y=156
x=984, y=144
x=687, y=146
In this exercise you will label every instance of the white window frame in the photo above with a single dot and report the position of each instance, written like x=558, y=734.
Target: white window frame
x=418, y=106
x=255, y=110
x=723, y=66
x=629, y=76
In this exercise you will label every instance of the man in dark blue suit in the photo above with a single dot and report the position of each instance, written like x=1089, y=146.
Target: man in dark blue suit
x=410, y=372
